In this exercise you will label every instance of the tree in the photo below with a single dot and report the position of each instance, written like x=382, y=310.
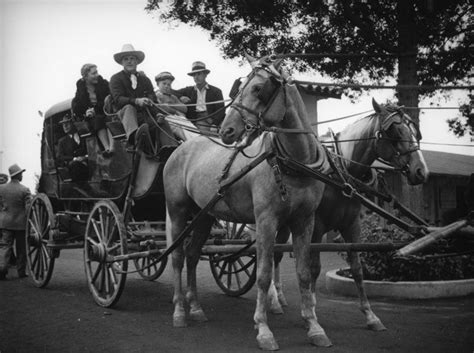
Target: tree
x=417, y=42
x=428, y=39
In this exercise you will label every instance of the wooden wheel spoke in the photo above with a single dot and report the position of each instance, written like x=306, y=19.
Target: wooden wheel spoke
x=237, y=276
x=222, y=270
x=229, y=274
x=102, y=224
x=113, y=276
x=35, y=263
x=244, y=267
x=96, y=273
x=106, y=279
x=107, y=230
x=96, y=229
x=89, y=239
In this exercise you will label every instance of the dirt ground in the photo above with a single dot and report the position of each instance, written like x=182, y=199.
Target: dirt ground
x=63, y=318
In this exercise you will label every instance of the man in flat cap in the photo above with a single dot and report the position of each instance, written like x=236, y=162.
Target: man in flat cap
x=200, y=112
x=133, y=94
x=14, y=200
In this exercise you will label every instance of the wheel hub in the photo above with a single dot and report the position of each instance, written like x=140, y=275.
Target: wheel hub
x=98, y=252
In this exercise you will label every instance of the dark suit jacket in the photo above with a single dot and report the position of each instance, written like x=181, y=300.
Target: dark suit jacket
x=212, y=94
x=82, y=102
x=123, y=93
x=68, y=149
x=14, y=199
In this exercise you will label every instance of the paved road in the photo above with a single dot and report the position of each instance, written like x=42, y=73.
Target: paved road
x=63, y=318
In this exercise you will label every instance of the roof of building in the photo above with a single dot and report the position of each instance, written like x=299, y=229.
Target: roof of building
x=319, y=91
x=444, y=163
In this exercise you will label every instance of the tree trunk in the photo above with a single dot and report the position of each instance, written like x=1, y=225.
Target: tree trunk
x=407, y=75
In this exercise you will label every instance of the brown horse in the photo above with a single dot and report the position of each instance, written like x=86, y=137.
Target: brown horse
x=389, y=135
x=191, y=179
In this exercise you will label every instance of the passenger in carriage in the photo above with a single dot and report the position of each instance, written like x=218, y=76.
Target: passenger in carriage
x=133, y=94
x=72, y=152
x=88, y=103
x=164, y=94
x=203, y=115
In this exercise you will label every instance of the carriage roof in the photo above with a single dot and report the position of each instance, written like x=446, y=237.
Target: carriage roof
x=58, y=108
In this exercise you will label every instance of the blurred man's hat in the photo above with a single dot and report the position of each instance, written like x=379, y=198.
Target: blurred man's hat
x=15, y=170
x=197, y=67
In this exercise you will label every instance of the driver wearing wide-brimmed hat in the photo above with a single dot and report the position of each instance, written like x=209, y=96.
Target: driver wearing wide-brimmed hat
x=203, y=114
x=14, y=199
x=133, y=94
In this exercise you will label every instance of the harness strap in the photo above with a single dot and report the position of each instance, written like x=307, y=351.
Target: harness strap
x=272, y=160
x=349, y=191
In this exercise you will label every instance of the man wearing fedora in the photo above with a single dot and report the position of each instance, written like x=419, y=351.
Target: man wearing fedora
x=203, y=115
x=132, y=92
x=14, y=200
x=72, y=152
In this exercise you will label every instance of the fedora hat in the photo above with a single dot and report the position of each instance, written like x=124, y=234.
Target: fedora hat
x=128, y=49
x=66, y=119
x=165, y=75
x=198, y=66
x=15, y=170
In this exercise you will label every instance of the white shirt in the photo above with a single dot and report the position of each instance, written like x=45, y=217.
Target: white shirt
x=201, y=98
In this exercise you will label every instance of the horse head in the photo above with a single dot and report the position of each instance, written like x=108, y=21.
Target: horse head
x=398, y=142
x=258, y=100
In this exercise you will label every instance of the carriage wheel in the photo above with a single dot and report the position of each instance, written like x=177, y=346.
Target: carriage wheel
x=235, y=276
x=147, y=272
x=40, y=259
x=105, y=237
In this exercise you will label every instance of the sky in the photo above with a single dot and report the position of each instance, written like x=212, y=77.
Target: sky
x=44, y=43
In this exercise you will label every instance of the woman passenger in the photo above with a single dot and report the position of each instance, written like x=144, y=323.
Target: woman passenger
x=88, y=103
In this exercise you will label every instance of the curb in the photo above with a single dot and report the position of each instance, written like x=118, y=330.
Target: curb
x=336, y=284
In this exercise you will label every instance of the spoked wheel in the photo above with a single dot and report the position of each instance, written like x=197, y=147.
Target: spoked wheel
x=40, y=259
x=149, y=270
x=235, y=275
x=105, y=238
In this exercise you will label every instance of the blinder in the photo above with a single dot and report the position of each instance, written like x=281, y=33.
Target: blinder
x=268, y=90
x=397, y=118
x=234, y=91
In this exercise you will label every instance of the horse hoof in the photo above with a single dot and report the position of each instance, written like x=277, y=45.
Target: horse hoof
x=267, y=343
x=376, y=326
x=179, y=321
x=320, y=341
x=198, y=315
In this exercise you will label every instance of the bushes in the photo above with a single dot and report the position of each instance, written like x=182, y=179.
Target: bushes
x=382, y=266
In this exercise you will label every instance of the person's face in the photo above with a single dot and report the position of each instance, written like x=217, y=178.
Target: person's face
x=67, y=127
x=130, y=63
x=92, y=76
x=165, y=86
x=200, y=78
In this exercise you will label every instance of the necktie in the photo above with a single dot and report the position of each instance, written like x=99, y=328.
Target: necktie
x=76, y=138
x=133, y=78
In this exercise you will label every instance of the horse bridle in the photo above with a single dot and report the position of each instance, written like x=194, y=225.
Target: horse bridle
x=257, y=124
x=382, y=134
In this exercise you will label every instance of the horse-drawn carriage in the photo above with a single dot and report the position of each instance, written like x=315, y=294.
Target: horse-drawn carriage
x=119, y=211
x=275, y=184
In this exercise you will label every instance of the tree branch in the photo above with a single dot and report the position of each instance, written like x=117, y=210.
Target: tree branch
x=368, y=31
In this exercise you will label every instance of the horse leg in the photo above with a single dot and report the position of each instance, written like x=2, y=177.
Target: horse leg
x=193, y=253
x=352, y=235
x=266, y=229
x=178, y=223
x=307, y=270
x=276, y=298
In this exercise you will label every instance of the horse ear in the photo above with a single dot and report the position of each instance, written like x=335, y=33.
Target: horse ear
x=276, y=64
x=250, y=59
x=376, y=106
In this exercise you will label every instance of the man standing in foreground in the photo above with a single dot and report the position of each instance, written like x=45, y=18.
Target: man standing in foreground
x=202, y=114
x=14, y=200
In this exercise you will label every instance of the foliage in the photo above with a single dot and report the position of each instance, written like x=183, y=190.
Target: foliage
x=465, y=124
x=429, y=39
x=381, y=266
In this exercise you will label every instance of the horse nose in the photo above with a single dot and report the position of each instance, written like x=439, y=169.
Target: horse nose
x=227, y=134
x=420, y=174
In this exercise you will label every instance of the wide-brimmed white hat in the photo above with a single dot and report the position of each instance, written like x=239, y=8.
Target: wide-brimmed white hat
x=198, y=66
x=128, y=49
x=15, y=170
